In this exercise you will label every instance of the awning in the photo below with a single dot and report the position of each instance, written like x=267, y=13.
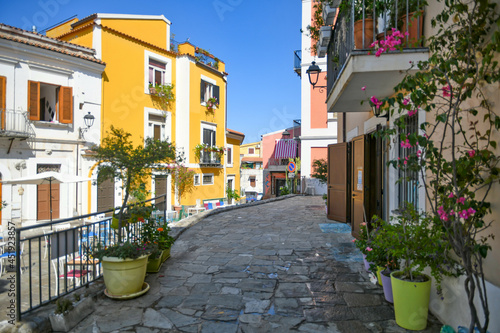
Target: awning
x=285, y=149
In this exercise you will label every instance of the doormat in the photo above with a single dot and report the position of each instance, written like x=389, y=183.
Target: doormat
x=338, y=228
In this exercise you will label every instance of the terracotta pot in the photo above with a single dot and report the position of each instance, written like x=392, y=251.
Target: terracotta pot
x=414, y=29
x=358, y=34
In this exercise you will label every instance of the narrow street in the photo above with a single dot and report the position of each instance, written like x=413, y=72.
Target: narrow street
x=276, y=267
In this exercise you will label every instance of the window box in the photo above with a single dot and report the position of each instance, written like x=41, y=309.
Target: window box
x=324, y=35
x=329, y=12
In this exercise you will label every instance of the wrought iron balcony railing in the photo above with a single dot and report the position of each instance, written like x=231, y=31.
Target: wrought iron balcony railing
x=210, y=158
x=15, y=124
x=355, y=29
x=297, y=61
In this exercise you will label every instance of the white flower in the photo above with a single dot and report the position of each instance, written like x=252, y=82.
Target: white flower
x=373, y=278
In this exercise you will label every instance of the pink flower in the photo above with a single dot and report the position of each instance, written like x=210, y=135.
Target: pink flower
x=363, y=223
x=369, y=249
x=406, y=101
x=461, y=200
x=419, y=153
x=446, y=91
x=471, y=211
x=411, y=113
x=471, y=153
x=451, y=195
x=363, y=88
x=463, y=214
x=354, y=240
x=376, y=102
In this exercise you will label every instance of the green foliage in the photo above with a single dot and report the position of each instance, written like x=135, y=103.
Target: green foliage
x=320, y=170
x=63, y=305
x=119, y=159
x=232, y=194
x=457, y=154
x=163, y=96
x=157, y=234
x=284, y=190
x=183, y=179
x=127, y=250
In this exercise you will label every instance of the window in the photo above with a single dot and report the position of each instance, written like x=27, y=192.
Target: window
x=208, y=90
x=48, y=102
x=156, y=72
x=196, y=180
x=229, y=154
x=252, y=181
x=251, y=151
x=208, y=179
x=408, y=188
x=209, y=137
x=157, y=127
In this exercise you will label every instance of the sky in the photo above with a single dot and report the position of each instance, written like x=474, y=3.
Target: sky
x=254, y=38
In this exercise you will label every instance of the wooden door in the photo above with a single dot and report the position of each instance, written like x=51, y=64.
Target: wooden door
x=43, y=203
x=106, y=195
x=160, y=189
x=337, y=182
x=358, y=184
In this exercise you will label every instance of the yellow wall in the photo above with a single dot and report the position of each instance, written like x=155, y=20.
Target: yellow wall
x=257, y=151
x=60, y=29
x=235, y=170
x=151, y=31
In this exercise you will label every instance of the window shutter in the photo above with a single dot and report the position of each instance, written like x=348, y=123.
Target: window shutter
x=213, y=138
x=229, y=156
x=66, y=105
x=34, y=100
x=202, y=91
x=3, y=81
x=216, y=93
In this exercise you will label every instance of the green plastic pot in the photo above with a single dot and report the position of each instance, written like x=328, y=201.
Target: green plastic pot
x=165, y=255
x=154, y=264
x=124, y=277
x=379, y=278
x=411, y=301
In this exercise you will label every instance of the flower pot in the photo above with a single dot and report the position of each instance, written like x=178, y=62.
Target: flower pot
x=358, y=34
x=387, y=285
x=379, y=277
x=411, y=301
x=367, y=263
x=154, y=265
x=64, y=322
x=414, y=29
x=165, y=255
x=124, y=277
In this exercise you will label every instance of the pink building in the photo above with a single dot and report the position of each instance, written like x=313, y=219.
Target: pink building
x=277, y=148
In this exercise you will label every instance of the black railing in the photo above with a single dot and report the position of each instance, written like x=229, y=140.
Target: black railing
x=58, y=254
x=210, y=158
x=297, y=61
x=355, y=30
x=207, y=59
x=15, y=124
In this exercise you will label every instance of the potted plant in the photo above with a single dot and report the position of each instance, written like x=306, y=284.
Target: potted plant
x=65, y=317
x=362, y=243
x=411, y=20
x=157, y=234
x=119, y=159
x=183, y=181
x=212, y=104
x=419, y=244
x=231, y=194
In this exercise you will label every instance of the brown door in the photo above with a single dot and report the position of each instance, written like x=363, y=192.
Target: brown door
x=43, y=203
x=374, y=168
x=337, y=182
x=358, y=184
x=160, y=189
x=106, y=195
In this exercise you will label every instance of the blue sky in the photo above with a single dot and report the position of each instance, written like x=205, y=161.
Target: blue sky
x=255, y=38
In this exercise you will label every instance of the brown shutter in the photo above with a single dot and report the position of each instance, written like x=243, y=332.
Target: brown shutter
x=3, y=80
x=66, y=105
x=34, y=100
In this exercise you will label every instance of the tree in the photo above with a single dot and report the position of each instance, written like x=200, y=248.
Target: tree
x=320, y=170
x=456, y=152
x=119, y=159
x=183, y=179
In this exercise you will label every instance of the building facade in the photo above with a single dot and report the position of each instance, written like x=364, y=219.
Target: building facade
x=47, y=87
x=194, y=120
x=252, y=172
x=318, y=127
x=360, y=180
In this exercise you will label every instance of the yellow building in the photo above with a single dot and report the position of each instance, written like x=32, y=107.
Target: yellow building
x=140, y=55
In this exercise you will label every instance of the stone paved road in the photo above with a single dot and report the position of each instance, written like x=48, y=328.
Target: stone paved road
x=277, y=267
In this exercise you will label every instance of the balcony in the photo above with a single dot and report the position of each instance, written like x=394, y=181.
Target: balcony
x=351, y=61
x=15, y=124
x=209, y=158
x=297, y=61
x=277, y=164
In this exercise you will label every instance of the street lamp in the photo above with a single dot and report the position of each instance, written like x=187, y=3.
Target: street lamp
x=313, y=74
x=377, y=112
x=88, y=119
x=285, y=133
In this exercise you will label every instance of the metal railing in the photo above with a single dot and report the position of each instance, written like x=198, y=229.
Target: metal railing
x=206, y=59
x=278, y=161
x=15, y=123
x=297, y=61
x=209, y=157
x=55, y=257
x=355, y=30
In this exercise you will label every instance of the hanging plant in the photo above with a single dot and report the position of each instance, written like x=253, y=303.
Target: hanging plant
x=212, y=104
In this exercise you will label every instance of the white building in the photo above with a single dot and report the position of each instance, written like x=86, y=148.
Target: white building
x=318, y=127
x=46, y=88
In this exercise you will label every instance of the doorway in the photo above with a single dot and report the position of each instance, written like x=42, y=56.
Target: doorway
x=106, y=196
x=161, y=189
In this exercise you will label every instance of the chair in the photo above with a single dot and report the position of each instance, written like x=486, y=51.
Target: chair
x=10, y=255
x=62, y=271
